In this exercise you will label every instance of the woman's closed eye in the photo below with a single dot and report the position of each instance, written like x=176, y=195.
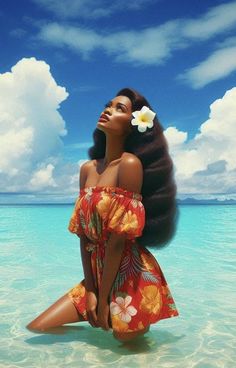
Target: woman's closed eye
x=118, y=106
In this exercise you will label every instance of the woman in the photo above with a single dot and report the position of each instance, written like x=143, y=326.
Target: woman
x=126, y=203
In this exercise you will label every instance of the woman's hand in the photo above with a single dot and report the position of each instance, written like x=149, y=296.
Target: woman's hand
x=103, y=315
x=91, y=305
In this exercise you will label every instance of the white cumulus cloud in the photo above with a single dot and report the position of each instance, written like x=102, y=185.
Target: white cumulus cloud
x=43, y=178
x=206, y=163
x=175, y=137
x=30, y=124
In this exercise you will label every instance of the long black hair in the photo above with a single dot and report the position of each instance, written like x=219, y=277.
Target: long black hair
x=159, y=187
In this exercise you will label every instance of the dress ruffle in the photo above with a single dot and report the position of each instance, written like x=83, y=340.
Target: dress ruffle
x=102, y=210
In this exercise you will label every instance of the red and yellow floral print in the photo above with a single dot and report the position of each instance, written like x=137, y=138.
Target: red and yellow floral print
x=151, y=299
x=140, y=294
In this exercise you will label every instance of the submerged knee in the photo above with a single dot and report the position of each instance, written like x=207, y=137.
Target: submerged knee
x=128, y=336
x=125, y=336
x=122, y=337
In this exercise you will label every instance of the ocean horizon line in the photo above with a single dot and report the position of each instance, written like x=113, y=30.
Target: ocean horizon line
x=22, y=198
x=181, y=203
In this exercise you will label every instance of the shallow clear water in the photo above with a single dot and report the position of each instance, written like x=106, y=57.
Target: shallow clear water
x=40, y=261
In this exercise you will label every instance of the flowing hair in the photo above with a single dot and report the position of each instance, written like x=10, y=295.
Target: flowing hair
x=159, y=188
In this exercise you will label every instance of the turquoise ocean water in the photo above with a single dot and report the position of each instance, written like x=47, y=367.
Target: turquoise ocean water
x=40, y=261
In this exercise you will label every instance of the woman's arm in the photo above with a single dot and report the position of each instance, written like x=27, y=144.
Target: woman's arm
x=85, y=255
x=114, y=250
x=91, y=292
x=90, y=289
x=116, y=242
x=86, y=262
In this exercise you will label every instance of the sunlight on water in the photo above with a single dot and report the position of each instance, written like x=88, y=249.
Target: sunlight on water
x=40, y=261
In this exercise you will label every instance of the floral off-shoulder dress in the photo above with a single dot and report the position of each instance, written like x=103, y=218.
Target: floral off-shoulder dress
x=140, y=294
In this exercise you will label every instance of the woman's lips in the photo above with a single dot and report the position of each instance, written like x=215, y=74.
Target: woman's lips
x=103, y=117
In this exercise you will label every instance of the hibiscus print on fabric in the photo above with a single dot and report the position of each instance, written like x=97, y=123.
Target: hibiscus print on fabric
x=123, y=309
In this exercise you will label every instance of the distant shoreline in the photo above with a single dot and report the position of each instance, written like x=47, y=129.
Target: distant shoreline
x=181, y=203
x=23, y=199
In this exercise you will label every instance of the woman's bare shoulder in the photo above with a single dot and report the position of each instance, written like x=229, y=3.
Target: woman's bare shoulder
x=87, y=163
x=130, y=174
x=129, y=157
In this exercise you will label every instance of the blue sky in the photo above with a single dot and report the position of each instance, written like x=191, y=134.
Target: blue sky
x=61, y=61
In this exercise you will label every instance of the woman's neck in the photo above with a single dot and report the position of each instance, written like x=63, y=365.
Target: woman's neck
x=114, y=149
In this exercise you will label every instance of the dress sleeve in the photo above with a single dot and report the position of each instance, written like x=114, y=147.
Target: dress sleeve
x=126, y=215
x=76, y=220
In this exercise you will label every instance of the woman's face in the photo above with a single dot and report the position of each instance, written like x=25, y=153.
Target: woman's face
x=116, y=116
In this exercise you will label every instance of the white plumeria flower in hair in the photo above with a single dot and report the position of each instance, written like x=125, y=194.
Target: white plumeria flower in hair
x=143, y=118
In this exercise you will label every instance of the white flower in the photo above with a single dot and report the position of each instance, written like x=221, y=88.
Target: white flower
x=121, y=307
x=143, y=118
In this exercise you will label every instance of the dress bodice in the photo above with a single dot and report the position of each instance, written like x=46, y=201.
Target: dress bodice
x=101, y=210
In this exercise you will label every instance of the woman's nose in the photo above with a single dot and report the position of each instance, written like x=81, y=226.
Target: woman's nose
x=108, y=110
